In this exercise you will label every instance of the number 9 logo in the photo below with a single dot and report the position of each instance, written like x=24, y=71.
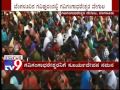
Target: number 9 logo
x=17, y=64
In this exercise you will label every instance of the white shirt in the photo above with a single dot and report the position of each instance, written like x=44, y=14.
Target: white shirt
x=45, y=43
x=68, y=34
x=74, y=18
x=32, y=23
x=86, y=33
x=58, y=17
x=15, y=18
x=32, y=13
x=116, y=60
x=59, y=39
x=49, y=35
x=96, y=59
x=110, y=22
x=14, y=81
x=26, y=28
x=91, y=23
x=116, y=27
x=76, y=40
x=42, y=29
x=19, y=15
x=111, y=80
x=108, y=29
x=62, y=21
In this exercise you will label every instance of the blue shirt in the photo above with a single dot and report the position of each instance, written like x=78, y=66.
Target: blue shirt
x=33, y=46
x=88, y=26
x=4, y=36
x=85, y=80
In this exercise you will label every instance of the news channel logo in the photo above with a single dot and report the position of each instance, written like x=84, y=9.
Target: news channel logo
x=13, y=62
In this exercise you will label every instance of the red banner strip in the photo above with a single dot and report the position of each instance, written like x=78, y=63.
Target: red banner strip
x=73, y=66
x=6, y=5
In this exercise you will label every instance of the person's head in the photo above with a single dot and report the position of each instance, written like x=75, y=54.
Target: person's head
x=60, y=81
x=4, y=26
x=11, y=49
x=16, y=40
x=63, y=82
x=112, y=56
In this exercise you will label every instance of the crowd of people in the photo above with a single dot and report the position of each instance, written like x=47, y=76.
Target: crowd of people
x=46, y=36
x=60, y=80
x=49, y=36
